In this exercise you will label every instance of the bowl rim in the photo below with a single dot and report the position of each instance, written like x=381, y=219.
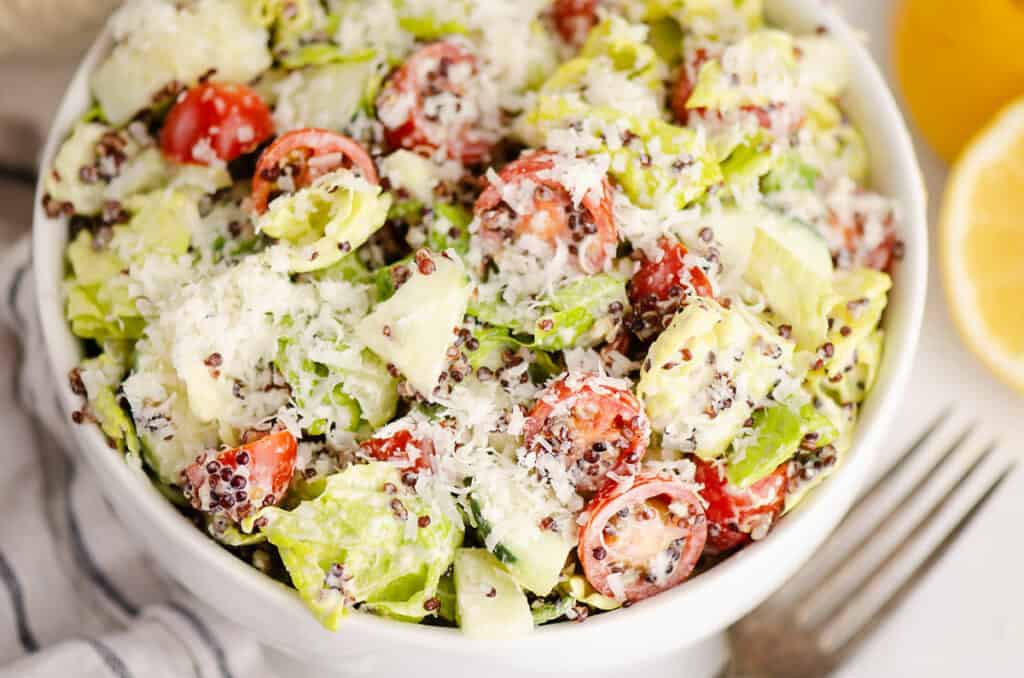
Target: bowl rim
x=785, y=544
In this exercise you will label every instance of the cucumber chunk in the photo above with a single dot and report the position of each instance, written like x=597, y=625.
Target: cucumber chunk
x=413, y=329
x=488, y=601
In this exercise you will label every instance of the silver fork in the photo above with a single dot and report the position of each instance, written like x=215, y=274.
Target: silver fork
x=810, y=626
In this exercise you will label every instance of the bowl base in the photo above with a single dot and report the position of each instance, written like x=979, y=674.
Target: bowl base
x=702, y=660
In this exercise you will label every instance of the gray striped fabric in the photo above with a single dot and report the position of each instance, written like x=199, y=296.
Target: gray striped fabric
x=77, y=596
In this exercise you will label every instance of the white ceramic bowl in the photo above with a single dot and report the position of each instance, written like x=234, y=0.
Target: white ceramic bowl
x=676, y=619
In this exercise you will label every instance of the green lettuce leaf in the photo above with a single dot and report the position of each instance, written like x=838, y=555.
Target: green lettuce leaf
x=721, y=19
x=791, y=173
x=99, y=303
x=347, y=386
x=676, y=386
x=360, y=543
x=862, y=296
x=718, y=90
x=323, y=223
x=547, y=610
x=330, y=89
x=429, y=27
x=777, y=434
x=102, y=377
x=579, y=313
x=791, y=266
x=449, y=228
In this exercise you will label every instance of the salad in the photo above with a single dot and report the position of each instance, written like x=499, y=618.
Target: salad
x=485, y=314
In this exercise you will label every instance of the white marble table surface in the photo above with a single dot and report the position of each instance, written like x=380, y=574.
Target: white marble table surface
x=966, y=619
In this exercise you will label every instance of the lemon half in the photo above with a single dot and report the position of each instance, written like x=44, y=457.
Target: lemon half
x=958, y=62
x=982, y=231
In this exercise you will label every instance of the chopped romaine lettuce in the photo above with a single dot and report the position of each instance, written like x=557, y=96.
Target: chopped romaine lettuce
x=791, y=266
x=99, y=302
x=412, y=174
x=101, y=377
x=776, y=436
x=850, y=361
x=666, y=37
x=580, y=313
x=449, y=228
x=361, y=543
x=429, y=27
x=325, y=222
x=344, y=386
x=721, y=19
x=163, y=222
x=86, y=181
x=791, y=173
x=703, y=373
x=580, y=590
x=330, y=92
x=719, y=90
x=547, y=610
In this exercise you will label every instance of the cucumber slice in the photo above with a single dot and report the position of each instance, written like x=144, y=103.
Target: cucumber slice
x=488, y=602
x=413, y=329
x=327, y=96
x=170, y=434
x=508, y=515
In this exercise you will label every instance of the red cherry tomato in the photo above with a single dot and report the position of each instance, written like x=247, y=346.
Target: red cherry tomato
x=851, y=233
x=574, y=19
x=412, y=455
x=215, y=121
x=303, y=155
x=644, y=540
x=660, y=288
x=242, y=480
x=552, y=217
x=683, y=90
x=734, y=514
x=594, y=425
x=430, y=103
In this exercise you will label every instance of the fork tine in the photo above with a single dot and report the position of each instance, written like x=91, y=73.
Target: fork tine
x=919, y=572
x=834, y=611
x=810, y=613
x=870, y=494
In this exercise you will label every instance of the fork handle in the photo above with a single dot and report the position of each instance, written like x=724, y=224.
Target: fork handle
x=733, y=670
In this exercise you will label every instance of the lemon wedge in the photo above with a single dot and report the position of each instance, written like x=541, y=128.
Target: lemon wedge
x=957, y=64
x=982, y=232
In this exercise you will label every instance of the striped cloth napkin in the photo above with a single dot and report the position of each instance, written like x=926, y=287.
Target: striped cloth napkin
x=78, y=597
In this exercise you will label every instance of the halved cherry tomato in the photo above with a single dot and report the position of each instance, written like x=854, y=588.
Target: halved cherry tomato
x=660, y=288
x=574, y=19
x=215, y=120
x=551, y=216
x=644, y=540
x=242, y=480
x=683, y=90
x=595, y=426
x=302, y=156
x=430, y=103
x=734, y=514
x=881, y=257
x=412, y=455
